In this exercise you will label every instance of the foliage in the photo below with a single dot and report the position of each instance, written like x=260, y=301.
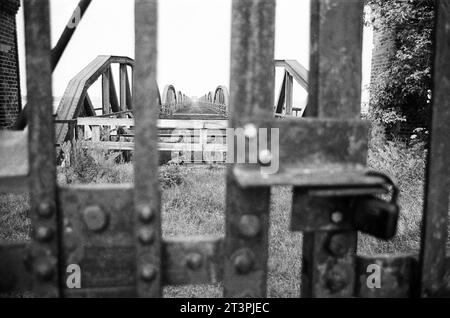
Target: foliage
x=102, y=166
x=402, y=95
x=170, y=175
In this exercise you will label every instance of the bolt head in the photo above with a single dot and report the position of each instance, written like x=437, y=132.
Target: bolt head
x=250, y=131
x=43, y=233
x=45, y=210
x=265, y=157
x=94, y=218
x=145, y=213
x=44, y=269
x=194, y=261
x=249, y=226
x=338, y=244
x=337, y=217
x=243, y=261
x=337, y=279
x=148, y=272
x=146, y=235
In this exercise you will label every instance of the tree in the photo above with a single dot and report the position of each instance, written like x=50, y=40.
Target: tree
x=402, y=96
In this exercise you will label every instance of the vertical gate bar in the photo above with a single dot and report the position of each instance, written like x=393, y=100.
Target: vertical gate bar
x=44, y=216
x=147, y=193
x=289, y=93
x=313, y=78
x=435, y=219
x=251, y=87
x=336, y=50
x=123, y=87
x=106, y=92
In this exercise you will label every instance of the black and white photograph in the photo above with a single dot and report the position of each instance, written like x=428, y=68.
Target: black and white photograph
x=226, y=155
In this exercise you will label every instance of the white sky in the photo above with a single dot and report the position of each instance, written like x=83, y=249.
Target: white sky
x=194, y=40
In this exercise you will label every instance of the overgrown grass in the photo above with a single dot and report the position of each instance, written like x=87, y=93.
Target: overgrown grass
x=406, y=165
x=193, y=203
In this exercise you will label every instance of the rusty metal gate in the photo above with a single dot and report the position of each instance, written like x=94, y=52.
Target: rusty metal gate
x=322, y=157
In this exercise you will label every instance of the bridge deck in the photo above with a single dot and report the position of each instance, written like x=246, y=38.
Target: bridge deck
x=197, y=110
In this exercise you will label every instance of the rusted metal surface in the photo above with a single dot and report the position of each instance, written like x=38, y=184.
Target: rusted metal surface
x=44, y=215
x=335, y=92
x=311, y=213
x=313, y=145
x=436, y=205
x=192, y=261
x=398, y=276
x=328, y=271
x=336, y=46
x=15, y=268
x=98, y=236
x=251, y=89
x=147, y=192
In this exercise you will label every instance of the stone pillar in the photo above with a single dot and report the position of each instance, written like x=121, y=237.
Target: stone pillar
x=10, y=95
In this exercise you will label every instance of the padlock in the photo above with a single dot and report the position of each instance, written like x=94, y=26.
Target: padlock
x=375, y=216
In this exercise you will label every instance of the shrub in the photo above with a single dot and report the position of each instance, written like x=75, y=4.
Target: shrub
x=402, y=94
x=170, y=175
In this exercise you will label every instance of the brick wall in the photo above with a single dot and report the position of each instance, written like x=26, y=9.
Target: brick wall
x=383, y=49
x=10, y=96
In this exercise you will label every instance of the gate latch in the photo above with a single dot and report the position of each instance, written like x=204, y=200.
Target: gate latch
x=376, y=216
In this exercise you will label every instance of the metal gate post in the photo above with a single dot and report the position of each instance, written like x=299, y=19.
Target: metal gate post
x=44, y=212
x=146, y=184
x=435, y=219
x=335, y=92
x=251, y=92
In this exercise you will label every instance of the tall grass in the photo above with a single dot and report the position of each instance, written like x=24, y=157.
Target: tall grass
x=405, y=163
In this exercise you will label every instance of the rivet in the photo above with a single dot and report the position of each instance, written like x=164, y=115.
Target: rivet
x=336, y=279
x=243, y=261
x=145, y=213
x=249, y=225
x=265, y=157
x=194, y=261
x=44, y=269
x=146, y=235
x=148, y=272
x=43, y=233
x=337, y=217
x=44, y=210
x=250, y=131
x=338, y=244
x=95, y=218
